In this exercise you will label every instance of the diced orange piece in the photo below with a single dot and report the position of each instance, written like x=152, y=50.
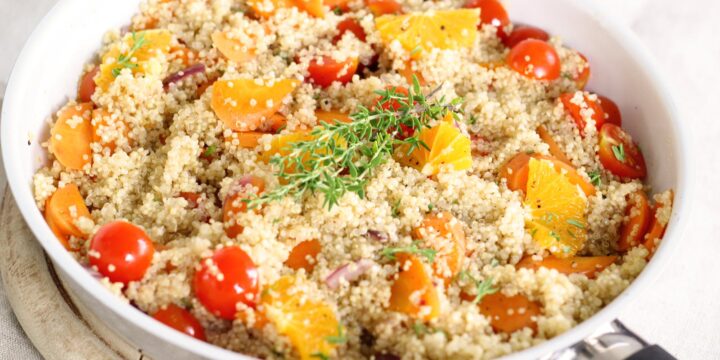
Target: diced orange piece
x=332, y=117
x=444, y=234
x=71, y=136
x=260, y=319
x=657, y=225
x=154, y=43
x=586, y=265
x=638, y=216
x=101, y=120
x=301, y=254
x=61, y=209
x=243, y=105
x=249, y=139
x=231, y=48
x=508, y=314
x=413, y=292
x=383, y=7
x=234, y=204
x=515, y=172
x=555, y=150
x=407, y=72
x=312, y=7
x=308, y=323
x=447, y=147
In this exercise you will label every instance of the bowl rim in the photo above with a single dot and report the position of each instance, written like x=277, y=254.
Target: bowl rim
x=625, y=38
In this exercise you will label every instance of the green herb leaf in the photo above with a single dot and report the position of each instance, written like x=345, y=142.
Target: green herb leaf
x=576, y=223
x=337, y=10
x=619, y=152
x=482, y=288
x=210, y=151
x=390, y=252
x=431, y=206
x=420, y=329
x=337, y=339
x=320, y=355
x=595, y=177
x=125, y=61
x=555, y=235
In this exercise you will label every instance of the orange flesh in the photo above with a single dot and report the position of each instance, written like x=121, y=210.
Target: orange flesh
x=516, y=171
x=183, y=54
x=412, y=280
x=448, y=241
x=232, y=49
x=508, y=314
x=301, y=254
x=332, y=117
x=71, y=136
x=586, y=265
x=59, y=212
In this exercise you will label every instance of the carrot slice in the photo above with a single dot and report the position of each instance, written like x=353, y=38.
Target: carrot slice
x=232, y=49
x=658, y=224
x=275, y=123
x=637, y=215
x=71, y=136
x=413, y=292
x=62, y=208
x=555, y=150
x=87, y=86
x=449, y=243
x=250, y=139
x=508, y=314
x=586, y=265
x=243, y=104
x=332, y=117
x=301, y=254
x=516, y=171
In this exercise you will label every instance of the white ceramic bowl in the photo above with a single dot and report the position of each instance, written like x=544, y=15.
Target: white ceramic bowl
x=47, y=71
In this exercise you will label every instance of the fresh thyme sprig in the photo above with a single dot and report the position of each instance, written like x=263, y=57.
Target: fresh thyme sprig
x=125, y=61
x=340, y=157
x=390, y=252
x=482, y=288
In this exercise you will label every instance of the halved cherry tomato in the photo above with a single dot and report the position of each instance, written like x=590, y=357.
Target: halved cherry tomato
x=584, y=76
x=508, y=314
x=180, y=320
x=576, y=111
x=395, y=105
x=234, y=203
x=225, y=279
x=535, y=59
x=492, y=12
x=60, y=217
x=524, y=32
x=586, y=265
x=619, y=154
x=516, y=171
x=612, y=111
x=352, y=26
x=326, y=70
x=301, y=254
x=121, y=251
x=87, y=86
x=657, y=227
x=637, y=221
x=383, y=7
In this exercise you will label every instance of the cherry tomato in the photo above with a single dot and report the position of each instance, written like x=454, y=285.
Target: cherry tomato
x=121, y=251
x=325, y=71
x=180, y=320
x=225, y=279
x=619, y=154
x=584, y=76
x=524, y=32
x=383, y=7
x=637, y=215
x=492, y=12
x=234, y=203
x=612, y=111
x=87, y=86
x=192, y=198
x=535, y=59
x=576, y=111
x=352, y=26
x=395, y=105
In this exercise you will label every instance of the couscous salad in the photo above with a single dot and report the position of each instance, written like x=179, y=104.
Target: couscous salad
x=349, y=179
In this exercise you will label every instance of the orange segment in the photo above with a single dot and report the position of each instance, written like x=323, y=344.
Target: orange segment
x=557, y=207
x=508, y=314
x=62, y=208
x=586, y=265
x=448, y=149
x=301, y=255
x=243, y=104
x=71, y=136
x=306, y=322
x=280, y=144
x=332, y=117
x=413, y=292
x=148, y=44
x=515, y=172
x=233, y=49
x=436, y=29
x=444, y=234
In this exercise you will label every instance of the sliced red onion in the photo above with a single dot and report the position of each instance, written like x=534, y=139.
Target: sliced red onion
x=377, y=235
x=348, y=272
x=182, y=74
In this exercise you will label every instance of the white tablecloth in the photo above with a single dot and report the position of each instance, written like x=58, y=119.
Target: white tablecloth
x=681, y=312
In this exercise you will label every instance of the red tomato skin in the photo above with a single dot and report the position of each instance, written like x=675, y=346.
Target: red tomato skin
x=180, y=320
x=87, y=86
x=352, y=26
x=324, y=73
x=575, y=112
x=612, y=111
x=125, y=247
x=383, y=7
x=633, y=167
x=240, y=282
x=491, y=12
x=535, y=59
x=394, y=105
x=524, y=32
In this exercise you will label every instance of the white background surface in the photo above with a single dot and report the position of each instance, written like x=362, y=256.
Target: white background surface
x=682, y=311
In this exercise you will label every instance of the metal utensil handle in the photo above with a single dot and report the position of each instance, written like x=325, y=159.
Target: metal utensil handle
x=613, y=341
